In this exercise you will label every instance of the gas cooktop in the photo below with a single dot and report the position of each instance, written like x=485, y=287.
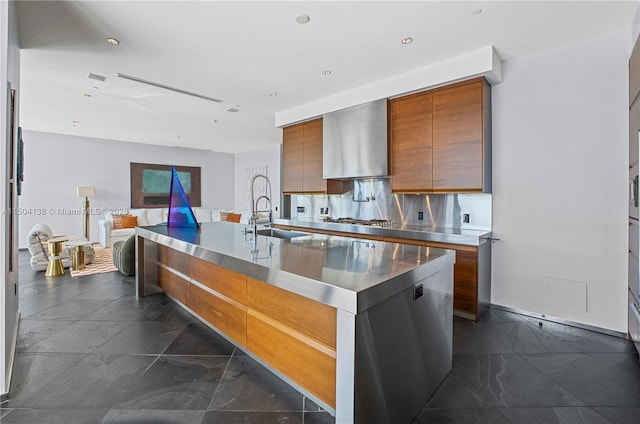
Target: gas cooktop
x=356, y=221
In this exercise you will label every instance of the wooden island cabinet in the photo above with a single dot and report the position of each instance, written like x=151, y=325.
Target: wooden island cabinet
x=441, y=139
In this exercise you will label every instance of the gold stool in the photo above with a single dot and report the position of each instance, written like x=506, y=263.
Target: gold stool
x=55, y=267
x=78, y=259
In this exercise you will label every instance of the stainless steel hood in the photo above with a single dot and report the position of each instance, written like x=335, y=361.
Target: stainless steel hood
x=355, y=141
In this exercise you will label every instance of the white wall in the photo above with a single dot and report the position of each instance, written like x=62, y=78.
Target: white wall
x=56, y=164
x=560, y=176
x=248, y=164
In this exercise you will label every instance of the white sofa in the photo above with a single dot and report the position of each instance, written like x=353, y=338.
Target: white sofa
x=155, y=216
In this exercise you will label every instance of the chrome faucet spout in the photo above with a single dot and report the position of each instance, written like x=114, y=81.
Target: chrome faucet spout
x=254, y=202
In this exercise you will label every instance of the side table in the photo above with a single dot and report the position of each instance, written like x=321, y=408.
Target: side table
x=55, y=267
x=78, y=258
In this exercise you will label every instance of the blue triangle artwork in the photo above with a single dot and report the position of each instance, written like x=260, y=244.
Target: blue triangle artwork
x=180, y=212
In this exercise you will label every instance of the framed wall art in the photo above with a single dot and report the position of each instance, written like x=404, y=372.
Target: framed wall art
x=151, y=184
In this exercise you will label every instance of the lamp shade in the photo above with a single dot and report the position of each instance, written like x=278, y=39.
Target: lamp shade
x=86, y=191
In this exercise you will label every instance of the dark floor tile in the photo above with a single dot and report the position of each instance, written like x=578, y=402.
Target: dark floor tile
x=311, y=406
x=72, y=309
x=33, y=371
x=4, y=411
x=149, y=416
x=527, y=338
x=498, y=380
x=591, y=380
x=79, y=337
x=588, y=341
x=34, y=331
x=558, y=415
x=97, y=381
x=199, y=339
x=318, y=418
x=469, y=337
x=244, y=417
x=176, y=382
x=54, y=416
x=460, y=415
x=114, y=289
x=143, y=337
x=500, y=315
x=150, y=308
x=248, y=386
x=620, y=414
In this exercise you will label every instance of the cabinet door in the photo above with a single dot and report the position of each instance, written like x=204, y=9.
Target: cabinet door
x=292, y=150
x=312, y=180
x=458, y=138
x=634, y=133
x=411, y=143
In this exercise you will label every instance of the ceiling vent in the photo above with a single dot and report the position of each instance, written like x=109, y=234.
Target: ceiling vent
x=166, y=87
x=97, y=77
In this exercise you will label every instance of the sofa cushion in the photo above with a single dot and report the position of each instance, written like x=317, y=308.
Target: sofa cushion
x=123, y=232
x=117, y=221
x=202, y=214
x=155, y=216
x=230, y=216
x=141, y=214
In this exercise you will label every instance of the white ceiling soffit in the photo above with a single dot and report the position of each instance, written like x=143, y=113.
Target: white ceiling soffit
x=265, y=64
x=483, y=62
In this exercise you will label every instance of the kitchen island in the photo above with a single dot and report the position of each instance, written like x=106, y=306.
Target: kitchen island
x=362, y=327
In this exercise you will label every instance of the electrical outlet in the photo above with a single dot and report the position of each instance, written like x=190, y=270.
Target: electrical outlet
x=301, y=209
x=465, y=218
x=420, y=216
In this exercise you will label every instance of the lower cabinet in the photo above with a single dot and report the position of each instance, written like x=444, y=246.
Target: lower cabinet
x=291, y=333
x=471, y=272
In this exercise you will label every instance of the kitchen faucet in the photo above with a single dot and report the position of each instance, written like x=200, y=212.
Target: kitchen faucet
x=254, y=203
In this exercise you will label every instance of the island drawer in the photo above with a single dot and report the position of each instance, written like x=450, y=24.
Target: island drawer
x=174, y=285
x=179, y=261
x=310, y=364
x=229, y=283
x=307, y=316
x=223, y=313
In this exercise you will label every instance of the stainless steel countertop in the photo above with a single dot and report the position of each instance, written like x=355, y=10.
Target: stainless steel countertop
x=343, y=272
x=412, y=232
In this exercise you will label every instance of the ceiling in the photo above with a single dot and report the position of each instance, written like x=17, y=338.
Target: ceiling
x=255, y=57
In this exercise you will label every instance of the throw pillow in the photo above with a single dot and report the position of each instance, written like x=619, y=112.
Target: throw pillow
x=233, y=217
x=117, y=221
x=128, y=221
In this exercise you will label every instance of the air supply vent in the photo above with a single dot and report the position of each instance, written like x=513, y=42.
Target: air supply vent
x=167, y=87
x=97, y=77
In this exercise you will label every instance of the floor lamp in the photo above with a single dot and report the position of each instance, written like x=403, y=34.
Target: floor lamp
x=86, y=192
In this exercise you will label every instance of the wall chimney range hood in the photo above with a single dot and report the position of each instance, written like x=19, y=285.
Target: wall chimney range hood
x=355, y=141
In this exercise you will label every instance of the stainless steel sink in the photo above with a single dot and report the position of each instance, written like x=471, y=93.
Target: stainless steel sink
x=282, y=234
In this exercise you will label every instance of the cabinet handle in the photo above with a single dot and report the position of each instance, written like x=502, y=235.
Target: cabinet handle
x=635, y=191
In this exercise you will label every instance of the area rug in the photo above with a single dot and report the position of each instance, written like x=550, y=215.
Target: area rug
x=102, y=262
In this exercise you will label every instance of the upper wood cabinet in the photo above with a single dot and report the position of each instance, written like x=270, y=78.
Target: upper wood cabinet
x=302, y=161
x=441, y=139
x=412, y=143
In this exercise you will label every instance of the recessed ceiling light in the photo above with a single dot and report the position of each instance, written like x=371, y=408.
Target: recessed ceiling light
x=75, y=123
x=476, y=12
x=215, y=121
x=273, y=94
x=113, y=41
x=87, y=95
x=96, y=77
x=326, y=72
x=406, y=40
x=179, y=136
x=303, y=19
x=233, y=110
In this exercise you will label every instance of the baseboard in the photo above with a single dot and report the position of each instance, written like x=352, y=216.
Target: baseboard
x=562, y=321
